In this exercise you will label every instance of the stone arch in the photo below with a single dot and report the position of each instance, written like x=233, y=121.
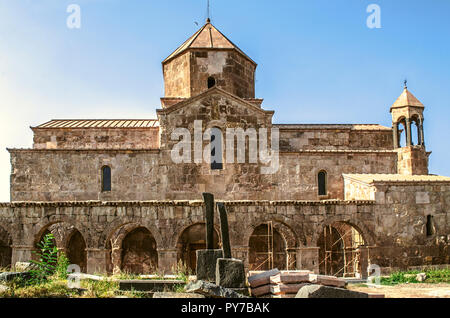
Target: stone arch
x=139, y=252
x=68, y=239
x=361, y=227
x=340, y=249
x=402, y=133
x=272, y=238
x=191, y=239
x=5, y=248
x=116, y=224
x=39, y=228
x=134, y=258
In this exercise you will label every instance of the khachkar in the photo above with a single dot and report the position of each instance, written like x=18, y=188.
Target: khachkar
x=230, y=272
x=207, y=259
x=218, y=265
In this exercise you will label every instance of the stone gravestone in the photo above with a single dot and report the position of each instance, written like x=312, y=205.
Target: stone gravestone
x=230, y=272
x=207, y=259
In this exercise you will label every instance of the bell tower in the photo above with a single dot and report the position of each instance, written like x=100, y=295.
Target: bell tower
x=407, y=111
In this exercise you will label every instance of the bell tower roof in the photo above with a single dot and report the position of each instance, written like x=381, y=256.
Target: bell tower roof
x=207, y=37
x=407, y=99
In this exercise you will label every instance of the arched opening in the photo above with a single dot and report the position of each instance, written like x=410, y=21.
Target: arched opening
x=139, y=254
x=5, y=249
x=401, y=125
x=106, y=179
x=339, y=250
x=216, y=149
x=322, y=182
x=268, y=249
x=211, y=82
x=76, y=250
x=416, y=137
x=430, y=226
x=192, y=239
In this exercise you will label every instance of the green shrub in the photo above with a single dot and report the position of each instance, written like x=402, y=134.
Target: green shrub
x=46, y=265
x=61, y=266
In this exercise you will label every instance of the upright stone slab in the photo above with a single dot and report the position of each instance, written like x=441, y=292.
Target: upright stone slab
x=209, y=216
x=230, y=273
x=224, y=229
x=206, y=264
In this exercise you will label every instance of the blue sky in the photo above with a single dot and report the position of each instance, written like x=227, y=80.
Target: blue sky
x=318, y=61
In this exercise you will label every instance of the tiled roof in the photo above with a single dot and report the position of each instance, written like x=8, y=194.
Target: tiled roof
x=373, y=178
x=100, y=123
x=208, y=37
x=407, y=99
x=333, y=126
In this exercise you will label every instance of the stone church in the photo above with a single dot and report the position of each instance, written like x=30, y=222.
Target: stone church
x=343, y=197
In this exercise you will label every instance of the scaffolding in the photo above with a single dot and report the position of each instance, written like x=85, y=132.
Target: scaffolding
x=269, y=254
x=350, y=255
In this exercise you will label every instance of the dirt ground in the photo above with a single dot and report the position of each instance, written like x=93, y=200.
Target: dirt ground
x=407, y=290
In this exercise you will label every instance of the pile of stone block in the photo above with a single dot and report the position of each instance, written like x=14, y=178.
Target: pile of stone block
x=277, y=284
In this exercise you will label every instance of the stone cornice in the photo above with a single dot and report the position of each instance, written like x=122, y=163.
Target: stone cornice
x=13, y=150
x=20, y=204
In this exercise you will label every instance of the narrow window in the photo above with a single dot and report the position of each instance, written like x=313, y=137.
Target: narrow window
x=106, y=179
x=322, y=181
x=211, y=82
x=430, y=225
x=216, y=149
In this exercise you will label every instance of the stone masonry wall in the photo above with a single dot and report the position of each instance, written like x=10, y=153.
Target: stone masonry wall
x=187, y=75
x=394, y=232
x=96, y=138
x=177, y=77
x=341, y=137
x=401, y=212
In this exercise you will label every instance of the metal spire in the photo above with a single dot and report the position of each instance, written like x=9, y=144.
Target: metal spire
x=208, y=12
x=405, y=83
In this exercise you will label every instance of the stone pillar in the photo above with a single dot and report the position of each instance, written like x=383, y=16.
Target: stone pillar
x=395, y=135
x=21, y=253
x=308, y=259
x=116, y=260
x=96, y=260
x=167, y=259
x=209, y=215
x=421, y=134
x=408, y=132
x=364, y=261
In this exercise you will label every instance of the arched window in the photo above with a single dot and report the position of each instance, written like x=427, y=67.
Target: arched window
x=211, y=82
x=322, y=182
x=430, y=225
x=216, y=149
x=106, y=179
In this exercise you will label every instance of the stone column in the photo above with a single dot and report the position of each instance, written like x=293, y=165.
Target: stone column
x=364, y=261
x=116, y=260
x=167, y=259
x=408, y=132
x=308, y=259
x=21, y=253
x=395, y=135
x=96, y=260
x=422, y=137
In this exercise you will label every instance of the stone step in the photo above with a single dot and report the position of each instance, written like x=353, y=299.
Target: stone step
x=150, y=285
